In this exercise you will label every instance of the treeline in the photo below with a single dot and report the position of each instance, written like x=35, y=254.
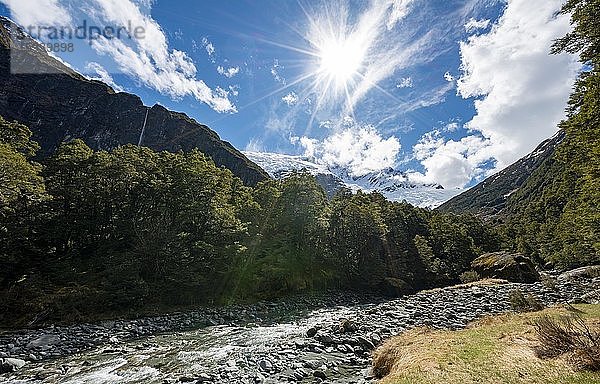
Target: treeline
x=555, y=217
x=90, y=232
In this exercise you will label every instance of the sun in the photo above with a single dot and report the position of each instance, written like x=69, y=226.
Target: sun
x=340, y=59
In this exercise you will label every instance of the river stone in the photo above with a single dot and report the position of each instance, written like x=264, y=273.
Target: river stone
x=591, y=297
x=513, y=267
x=312, y=331
x=265, y=365
x=366, y=344
x=348, y=326
x=299, y=374
x=325, y=339
x=11, y=365
x=202, y=378
x=44, y=340
x=320, y=375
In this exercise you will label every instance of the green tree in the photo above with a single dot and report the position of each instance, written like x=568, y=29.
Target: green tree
x=22, y=195
x=556, y=215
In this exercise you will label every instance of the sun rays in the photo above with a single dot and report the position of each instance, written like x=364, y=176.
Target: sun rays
x=339, y=57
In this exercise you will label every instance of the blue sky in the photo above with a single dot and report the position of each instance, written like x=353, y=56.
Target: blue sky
x=449, y=91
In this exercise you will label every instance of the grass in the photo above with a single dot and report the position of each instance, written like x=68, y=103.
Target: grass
x=496, y=349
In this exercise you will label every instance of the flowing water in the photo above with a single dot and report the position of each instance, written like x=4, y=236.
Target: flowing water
x=244, y=354
x=329, y=344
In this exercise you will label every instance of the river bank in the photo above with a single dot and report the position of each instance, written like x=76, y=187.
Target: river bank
x=332, y=343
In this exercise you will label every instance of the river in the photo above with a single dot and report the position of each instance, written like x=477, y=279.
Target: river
x=331, y=344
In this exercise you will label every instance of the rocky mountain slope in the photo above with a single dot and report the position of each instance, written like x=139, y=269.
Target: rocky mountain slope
x=491, y=195
x=60, y=104
x=393, y=184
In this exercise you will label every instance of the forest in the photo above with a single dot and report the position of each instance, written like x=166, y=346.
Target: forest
x=555, y=216
x=86, y=232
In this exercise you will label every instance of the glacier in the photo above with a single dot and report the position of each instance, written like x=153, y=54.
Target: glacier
x=393, y=184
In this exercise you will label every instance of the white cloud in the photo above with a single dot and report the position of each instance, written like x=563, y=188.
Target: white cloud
x=38, y=13
x=524, y=90
x=229, y=72
x=255, y=145
x=427, y=145
x=102, y=75
x=405, y=82
x=358, y=148
x=234, y=90
x=400, y=9
x=210, y=48
x=275, y=72
x=521, y=90
x=150, y=60
x=290, y=99
x=178, y=34
x=474, y=25
x=448, y=162
x=452, y=127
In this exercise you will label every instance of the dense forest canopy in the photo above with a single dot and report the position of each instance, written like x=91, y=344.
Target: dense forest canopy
x=136, y=228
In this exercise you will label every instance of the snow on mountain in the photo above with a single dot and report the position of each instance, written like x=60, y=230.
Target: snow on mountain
x=393, y=184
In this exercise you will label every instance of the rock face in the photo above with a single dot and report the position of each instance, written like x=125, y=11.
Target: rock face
x=501, y=265
x=61, y=105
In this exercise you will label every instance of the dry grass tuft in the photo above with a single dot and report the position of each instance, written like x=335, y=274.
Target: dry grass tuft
x=570, y=336
x=397, y=354
x=498, y=349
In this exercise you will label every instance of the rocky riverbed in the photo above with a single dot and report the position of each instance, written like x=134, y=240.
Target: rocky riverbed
x=264, y=343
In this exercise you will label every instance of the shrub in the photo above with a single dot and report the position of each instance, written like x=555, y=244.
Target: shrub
x=568, y=335
x=469, y=277
x=524, y=303
x=548, y=282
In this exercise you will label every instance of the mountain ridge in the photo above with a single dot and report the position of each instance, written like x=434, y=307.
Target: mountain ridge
x=393, y=184
x=59, y=104
x=490, y=197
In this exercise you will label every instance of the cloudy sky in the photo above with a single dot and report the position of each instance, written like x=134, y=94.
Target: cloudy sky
x=449, y=91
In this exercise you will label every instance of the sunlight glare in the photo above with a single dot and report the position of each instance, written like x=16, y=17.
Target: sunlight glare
x=341, y=59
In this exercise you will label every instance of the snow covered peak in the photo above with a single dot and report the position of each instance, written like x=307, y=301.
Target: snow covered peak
x=393, y=184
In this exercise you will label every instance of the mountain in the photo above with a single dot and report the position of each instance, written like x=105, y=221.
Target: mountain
x=490, y=197
x=58, y=104
x=393, y=184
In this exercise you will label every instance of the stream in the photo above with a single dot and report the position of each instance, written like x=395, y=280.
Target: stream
x=331, y=344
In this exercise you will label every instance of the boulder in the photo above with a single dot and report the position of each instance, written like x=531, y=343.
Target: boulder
x=320, y=375
x=44, y=341
x=11, y=365
x=348, y=326
x=513, y=267
x=588, y=272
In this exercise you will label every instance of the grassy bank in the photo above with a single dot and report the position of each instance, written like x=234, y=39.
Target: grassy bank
x=492, y=350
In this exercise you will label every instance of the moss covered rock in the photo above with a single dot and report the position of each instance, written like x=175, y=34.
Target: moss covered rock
x=513, y=267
